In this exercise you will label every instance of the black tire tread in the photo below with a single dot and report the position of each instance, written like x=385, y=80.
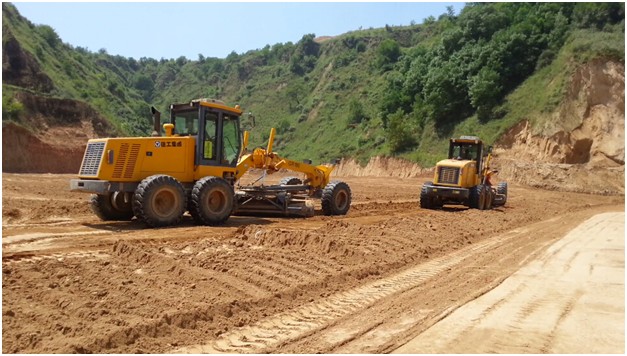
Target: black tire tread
x=475, y=197
x=144, y=189
x=291, y=181
x=328, y=198
x=426, y=202
x=196, y=209
x=501, y=188
x=103, y=208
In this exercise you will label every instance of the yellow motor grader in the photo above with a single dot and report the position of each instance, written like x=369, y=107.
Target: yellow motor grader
x=464, y=178
x=195, y=168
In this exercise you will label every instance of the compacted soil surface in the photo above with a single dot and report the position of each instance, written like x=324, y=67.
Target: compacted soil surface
x=372, y=281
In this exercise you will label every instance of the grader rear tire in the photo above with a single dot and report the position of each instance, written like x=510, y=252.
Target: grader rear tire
x=336, y=198
x=212, y=201
x=111, y=206
x=159, y=200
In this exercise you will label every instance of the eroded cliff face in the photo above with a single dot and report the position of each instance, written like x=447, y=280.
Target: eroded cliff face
x=582, y=147
x=51, y=133
x=52, y=136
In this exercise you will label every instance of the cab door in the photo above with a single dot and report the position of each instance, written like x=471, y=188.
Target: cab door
x=219, y=142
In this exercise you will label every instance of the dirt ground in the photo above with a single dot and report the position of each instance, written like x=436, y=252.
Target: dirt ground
x=571, y=299
x=367, y=282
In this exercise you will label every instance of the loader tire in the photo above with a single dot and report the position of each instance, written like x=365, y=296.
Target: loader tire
x=159, y=200
x=291, y=181
x=478, y=197
x=426, y=201
x=501, y=188
x=111, y=207
x=336, y=198
x=212, y=201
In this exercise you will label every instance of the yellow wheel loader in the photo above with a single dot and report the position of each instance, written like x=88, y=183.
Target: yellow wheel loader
x=464, y=178
x=195, y=168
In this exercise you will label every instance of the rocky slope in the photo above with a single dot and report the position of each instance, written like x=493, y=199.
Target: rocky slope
x=51, y=134
x=582, y=147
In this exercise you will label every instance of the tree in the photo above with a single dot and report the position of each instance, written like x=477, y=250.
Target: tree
x=144, y=84
x=49, y=35
x=305, y=55
x=356, y=112
x=387, y=54
x=399, y=135
x=485, y=92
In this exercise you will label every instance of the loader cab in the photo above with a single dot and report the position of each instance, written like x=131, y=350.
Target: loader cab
x=215, y=127
x=466, y=148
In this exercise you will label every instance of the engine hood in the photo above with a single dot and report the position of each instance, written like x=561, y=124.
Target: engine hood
x=454, y=163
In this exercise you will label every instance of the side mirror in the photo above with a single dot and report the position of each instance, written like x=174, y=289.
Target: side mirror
x=251, y=120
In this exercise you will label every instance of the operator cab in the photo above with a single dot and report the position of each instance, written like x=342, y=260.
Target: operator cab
x=216, y=129
x=466, y=148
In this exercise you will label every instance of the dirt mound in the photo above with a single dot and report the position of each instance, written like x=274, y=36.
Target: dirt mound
x=322, y=241
x=382, y=167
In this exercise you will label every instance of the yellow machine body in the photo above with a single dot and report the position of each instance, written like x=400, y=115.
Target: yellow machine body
x=129, y=159
x=463, y=178
x=194, y=168
x=317, y=176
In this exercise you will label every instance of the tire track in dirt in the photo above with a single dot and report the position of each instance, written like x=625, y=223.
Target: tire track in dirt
x=16, y=258
x=387, y=323
x=535, y=310
x=300, y=322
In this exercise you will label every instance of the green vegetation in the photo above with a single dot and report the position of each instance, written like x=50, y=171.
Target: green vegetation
x=11, y=108
x=461, y=82
x=391, y=91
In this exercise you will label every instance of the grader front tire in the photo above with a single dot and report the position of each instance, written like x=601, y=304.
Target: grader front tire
x=501, y=189
x=111, y=206
x=426, y=201
x=336, y=198
x=159, y=200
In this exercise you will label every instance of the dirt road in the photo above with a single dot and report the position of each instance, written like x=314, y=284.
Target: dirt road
x=368, y=282
x=571, y=299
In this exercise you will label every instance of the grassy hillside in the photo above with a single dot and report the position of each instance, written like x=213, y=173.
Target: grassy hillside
x=391, y=91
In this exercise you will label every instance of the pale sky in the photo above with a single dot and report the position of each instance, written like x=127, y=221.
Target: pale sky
x=214, y=29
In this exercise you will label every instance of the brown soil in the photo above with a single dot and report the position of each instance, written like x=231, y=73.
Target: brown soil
x=52, y=136
x=366, y=282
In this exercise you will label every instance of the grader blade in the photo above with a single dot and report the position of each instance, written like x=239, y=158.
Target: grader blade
x=273, y=201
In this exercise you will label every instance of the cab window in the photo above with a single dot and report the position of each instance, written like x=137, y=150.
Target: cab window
x=211, y=131
x=231, y=140
x=186, y=123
